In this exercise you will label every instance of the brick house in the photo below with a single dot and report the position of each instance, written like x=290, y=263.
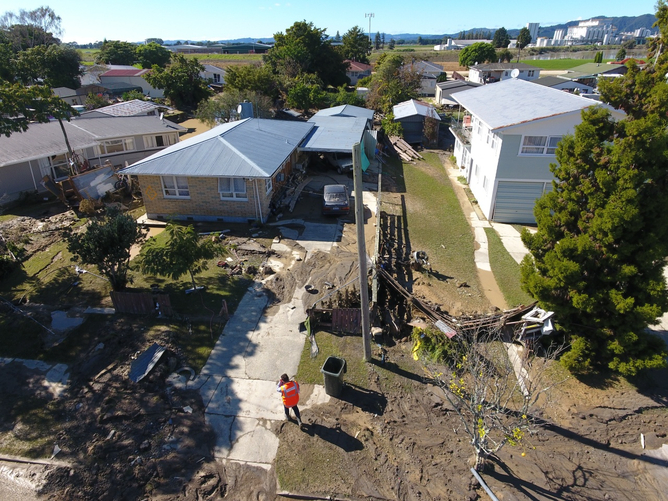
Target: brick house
x=230, y=173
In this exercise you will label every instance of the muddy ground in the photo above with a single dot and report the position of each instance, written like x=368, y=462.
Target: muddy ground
x=390, y=437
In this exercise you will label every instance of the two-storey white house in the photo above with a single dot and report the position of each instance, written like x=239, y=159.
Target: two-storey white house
x=506, y=142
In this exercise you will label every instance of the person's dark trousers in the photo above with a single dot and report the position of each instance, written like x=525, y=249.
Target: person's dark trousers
x=294, y=408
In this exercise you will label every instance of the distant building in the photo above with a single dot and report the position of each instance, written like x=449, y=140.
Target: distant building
x=533, y=31
x=357, y=71
x=495, y=72
x=243, y=48
x=591, y=31
x=458, y=44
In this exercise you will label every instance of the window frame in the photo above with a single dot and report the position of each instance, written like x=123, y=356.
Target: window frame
x=127, y=143
x=268, y=185
x=235, y=196
x=547, y=148
x=179, y=191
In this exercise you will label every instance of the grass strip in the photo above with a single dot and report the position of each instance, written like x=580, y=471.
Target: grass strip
x=506, y=271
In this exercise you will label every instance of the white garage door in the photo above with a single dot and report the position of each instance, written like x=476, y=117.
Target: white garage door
x=515, y=201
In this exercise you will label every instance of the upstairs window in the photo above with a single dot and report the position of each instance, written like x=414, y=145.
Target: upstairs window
x=539, y=145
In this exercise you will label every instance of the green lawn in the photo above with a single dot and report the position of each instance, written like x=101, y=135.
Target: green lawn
x=559, y=64
x=506, y=271
x=437, y=223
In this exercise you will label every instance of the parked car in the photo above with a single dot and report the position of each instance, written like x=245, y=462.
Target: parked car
x=335, y=200
x=342, y=162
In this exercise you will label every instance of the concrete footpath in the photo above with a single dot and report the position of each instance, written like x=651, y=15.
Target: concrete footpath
x=238, y=382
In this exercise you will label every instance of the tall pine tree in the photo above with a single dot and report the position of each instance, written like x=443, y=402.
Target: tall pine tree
x=597, y=259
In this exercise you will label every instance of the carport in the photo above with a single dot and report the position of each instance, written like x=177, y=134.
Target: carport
x=337, y=134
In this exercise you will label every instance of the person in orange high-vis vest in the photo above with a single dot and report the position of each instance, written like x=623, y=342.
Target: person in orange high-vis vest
x=289, y=391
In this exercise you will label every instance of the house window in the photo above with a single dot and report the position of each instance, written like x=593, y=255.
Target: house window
x=531, y=73
x=494, y=142
x=476, y=125
x=539, y=145
x=57, y=166
x=232, y=188
x=115, y=146
x=175, y=186
x=269, y=184
x=484, y=182
x=552, y=143
x=158, y=141
x=216, y=78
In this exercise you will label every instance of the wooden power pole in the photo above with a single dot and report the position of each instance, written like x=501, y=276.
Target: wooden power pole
x=361, y=251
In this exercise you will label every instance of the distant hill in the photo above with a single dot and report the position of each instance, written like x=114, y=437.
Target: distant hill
x=624, y=23
x=236, y=40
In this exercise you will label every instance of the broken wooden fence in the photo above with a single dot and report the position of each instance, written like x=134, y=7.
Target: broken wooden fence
x=348, y=320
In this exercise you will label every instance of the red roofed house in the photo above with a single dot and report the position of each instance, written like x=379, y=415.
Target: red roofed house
x=356, y=71
x=119, y=81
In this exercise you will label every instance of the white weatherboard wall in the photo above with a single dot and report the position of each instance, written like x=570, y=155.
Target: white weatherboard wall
x=506, y=165
x=483, y=166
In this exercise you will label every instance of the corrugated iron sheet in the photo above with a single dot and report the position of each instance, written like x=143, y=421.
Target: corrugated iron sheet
x=251, y=148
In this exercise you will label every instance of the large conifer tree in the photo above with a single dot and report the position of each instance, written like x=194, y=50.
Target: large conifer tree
x=597, y=259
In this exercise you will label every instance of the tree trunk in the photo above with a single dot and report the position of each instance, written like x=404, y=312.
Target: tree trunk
x=192, y=277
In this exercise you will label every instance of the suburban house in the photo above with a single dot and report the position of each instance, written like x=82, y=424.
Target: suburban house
x=412, y=114
x=444, y=91
x=495, y=72
x=26, y=158
x=230, y=173
x=430, y=72
x=120, y=81
x=564, y=84
x=589, y=73
x=357, y=71
x=506, y=142
x=78, y=96
x=213, y=74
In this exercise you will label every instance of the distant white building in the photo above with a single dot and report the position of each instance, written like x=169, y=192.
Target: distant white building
x=458, y=44
x=533, y=31
x=591, y=31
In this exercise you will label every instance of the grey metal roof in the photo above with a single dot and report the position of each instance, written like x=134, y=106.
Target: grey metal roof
x=104, y=128
x=550, y=81
x=515, y=101
x=452, y=86
x=591, y=70
x=42, y=140
x=334, y=133
x=130, y=108
x=346, y=110
x=249, y=148
x=414, y=107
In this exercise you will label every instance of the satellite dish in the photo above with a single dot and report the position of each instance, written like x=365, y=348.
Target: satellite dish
x=515, y=73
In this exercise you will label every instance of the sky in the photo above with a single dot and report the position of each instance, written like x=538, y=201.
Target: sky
x=136, y=20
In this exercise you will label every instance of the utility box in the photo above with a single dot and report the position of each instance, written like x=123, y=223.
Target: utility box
x=333, y=370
